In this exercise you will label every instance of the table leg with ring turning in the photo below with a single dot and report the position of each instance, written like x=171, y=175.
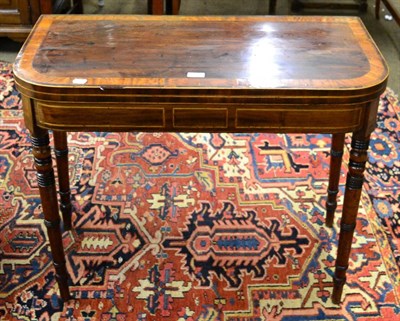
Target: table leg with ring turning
x=61, y=152
x=354, y=183
x=334, y=177
x=48, y=194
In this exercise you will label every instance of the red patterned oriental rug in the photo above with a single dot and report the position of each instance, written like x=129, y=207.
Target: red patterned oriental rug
x=183, y=226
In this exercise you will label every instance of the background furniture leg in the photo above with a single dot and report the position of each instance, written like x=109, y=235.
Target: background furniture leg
x=155, y=7
x=272, y=7
x=61, y=152
x=377, y=8
x=78, y=6
x=48, y=195
x=334, y=177
x=354, y=183
x=172, y=7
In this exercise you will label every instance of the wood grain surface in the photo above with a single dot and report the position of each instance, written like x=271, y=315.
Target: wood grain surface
x=121, y=52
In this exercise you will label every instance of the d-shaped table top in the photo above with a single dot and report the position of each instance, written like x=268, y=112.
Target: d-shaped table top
x=270, y=56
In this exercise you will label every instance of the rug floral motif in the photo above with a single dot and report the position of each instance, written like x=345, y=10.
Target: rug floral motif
x=206, y=226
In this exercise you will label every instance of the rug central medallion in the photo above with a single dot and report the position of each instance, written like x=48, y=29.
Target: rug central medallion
x=228, y=243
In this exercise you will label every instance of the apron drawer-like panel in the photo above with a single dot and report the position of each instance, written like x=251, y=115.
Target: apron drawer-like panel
x=200, y=118
x=99, y=117
x=307, y=119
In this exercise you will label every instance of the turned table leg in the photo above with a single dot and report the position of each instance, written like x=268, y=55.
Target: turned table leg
x=334, y=177
x=48, y=195
x=61, y=152
x=354, y=183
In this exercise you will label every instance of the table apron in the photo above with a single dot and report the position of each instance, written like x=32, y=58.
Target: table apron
x=199, y=118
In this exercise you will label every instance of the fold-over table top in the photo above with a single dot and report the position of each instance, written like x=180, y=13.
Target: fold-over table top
x=271, y=53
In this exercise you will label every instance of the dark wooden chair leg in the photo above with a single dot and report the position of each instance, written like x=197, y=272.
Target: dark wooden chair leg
x=296, y=6
x=78, y=6
x=377, y=8
x=354, y=183
x=172, y=7
x=176, y=4
x=272, y=7
x=155, y=7
x=61, y=151
x=334, y=177
x=48, y=195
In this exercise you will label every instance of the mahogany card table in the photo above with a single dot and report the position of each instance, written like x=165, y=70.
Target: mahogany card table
x=273, y=74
